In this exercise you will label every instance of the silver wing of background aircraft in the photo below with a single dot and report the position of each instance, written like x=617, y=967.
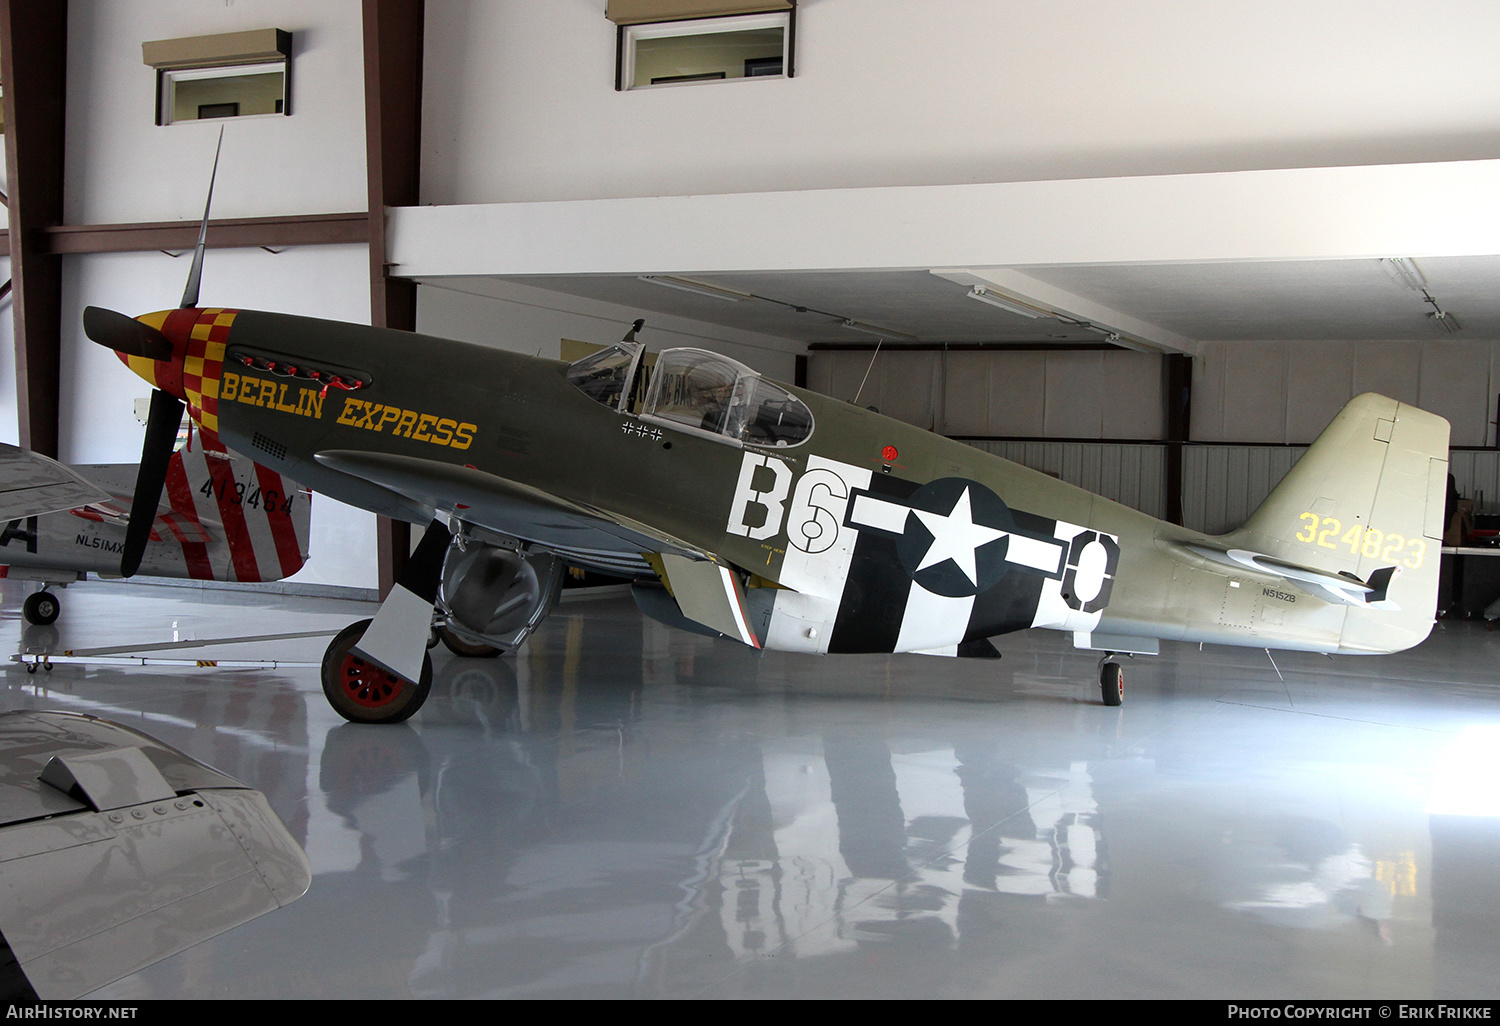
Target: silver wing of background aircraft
x=117, y=851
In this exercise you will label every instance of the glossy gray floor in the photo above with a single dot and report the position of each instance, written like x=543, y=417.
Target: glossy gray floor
x=629, y=811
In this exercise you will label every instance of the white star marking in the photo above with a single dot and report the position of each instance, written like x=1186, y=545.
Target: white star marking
x=956, y=537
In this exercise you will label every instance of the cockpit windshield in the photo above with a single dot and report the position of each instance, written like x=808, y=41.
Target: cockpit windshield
x=604, y=376
x=716, y=395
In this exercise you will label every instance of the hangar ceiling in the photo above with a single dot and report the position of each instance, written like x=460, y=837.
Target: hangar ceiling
x=1232, y=301
x=1332, y=254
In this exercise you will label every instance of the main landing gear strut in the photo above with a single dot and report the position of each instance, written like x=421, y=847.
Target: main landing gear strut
x=378, y=671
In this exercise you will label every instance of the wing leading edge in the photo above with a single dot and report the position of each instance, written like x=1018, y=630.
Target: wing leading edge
x=33, y=485
x=505, y=506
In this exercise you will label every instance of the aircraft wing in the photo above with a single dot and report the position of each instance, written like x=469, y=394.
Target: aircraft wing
x=32, y=485
x=117, y=851
x=508, y=507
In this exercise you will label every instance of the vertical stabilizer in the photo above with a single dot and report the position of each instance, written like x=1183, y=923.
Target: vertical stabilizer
x=1366, y=497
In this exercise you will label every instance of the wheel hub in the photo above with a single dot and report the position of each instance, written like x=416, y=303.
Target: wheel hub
x=367, y=684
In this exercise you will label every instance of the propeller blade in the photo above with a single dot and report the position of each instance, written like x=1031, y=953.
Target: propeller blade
x=125, y=334
x=190, y=294
x=156, y=455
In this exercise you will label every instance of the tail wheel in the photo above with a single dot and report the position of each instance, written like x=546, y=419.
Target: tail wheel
x=41, y=608
x=362, y=692
x=1112, y=683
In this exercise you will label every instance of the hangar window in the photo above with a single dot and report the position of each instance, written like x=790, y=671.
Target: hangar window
x=233, y=75
x=670, y=42
x=723, y=399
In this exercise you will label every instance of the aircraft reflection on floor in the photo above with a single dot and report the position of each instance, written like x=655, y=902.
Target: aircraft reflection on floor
x=872, y=832
x=810, y=844
x=1323, y=892
x=882, y=843
x=625, y=810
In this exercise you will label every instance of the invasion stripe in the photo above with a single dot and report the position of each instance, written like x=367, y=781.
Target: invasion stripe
x=204, y=511
x=232, y=515
x=283, y=531
x=260, y=544
x=180, y=495
x=257, y=523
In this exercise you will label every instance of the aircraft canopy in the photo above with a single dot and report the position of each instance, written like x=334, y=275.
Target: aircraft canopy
x=722, y=397
x=697, y=390
x=603, y=376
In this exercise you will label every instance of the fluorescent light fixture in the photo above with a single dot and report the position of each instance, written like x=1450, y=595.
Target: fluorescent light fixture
x=1445, y=320
x=984, y=295
x=872, y=329
x=1115, y=338
x=1404, y=271
x=701, y=288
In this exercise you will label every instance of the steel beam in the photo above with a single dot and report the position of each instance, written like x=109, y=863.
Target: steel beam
x=33, y=69
x=393, y=31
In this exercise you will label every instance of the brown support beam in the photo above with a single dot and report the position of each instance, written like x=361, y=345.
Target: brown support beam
x=393, y=143
x=224, y=233
x=33, y=69
x=1178, y=370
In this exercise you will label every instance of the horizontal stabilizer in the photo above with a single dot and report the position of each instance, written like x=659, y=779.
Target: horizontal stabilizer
x=1340, y=588
x=31, y=485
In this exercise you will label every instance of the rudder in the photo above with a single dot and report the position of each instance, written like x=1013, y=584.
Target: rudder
x=1369, y=493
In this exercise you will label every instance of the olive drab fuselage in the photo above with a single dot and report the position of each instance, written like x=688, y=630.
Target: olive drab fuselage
x=866, y=535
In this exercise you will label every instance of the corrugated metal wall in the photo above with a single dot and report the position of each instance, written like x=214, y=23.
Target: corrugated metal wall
x=1289, y=391
x=1131, y=474
x=1222, y=484
x=1262, y=392
x=1478, y=477
x=1064, y=394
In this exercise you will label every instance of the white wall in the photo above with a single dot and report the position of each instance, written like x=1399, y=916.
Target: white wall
x=529, y=320
x=98, y=391
x=520, y=102
x=122, y=167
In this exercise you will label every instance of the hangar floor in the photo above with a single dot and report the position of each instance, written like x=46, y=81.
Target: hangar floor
x=630, y=811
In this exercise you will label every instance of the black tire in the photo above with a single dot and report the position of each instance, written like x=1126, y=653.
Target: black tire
x=41, y=608
x=362, y=692
x=469, y=650
x=1112, y=683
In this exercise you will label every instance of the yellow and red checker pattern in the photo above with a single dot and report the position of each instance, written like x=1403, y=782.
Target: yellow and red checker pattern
x=198, y=338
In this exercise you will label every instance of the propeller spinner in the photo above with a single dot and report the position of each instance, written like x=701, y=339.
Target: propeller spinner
x=125, y=335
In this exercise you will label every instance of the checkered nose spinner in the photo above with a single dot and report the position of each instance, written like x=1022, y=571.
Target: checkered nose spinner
x=192, y=372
